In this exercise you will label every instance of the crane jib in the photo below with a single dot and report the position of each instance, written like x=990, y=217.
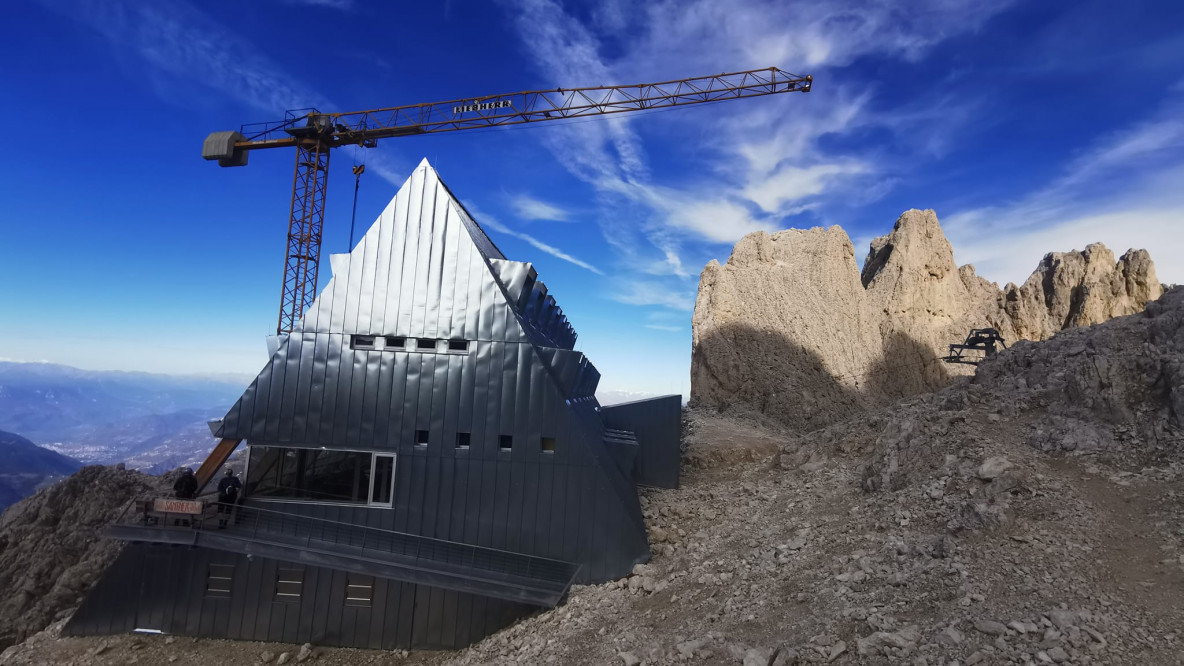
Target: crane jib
x=315, y=134
x=481, y=106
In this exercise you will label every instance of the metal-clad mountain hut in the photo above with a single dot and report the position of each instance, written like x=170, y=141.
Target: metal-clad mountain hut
x=427, y=461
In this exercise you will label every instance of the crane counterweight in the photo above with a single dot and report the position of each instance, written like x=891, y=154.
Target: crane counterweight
x=222, y=146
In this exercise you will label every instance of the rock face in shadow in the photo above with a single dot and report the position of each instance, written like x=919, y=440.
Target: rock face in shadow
x=793, y=328
x=782, y=329
x=811, y=393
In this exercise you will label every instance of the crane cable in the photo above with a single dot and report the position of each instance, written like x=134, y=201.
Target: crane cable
x=359, y=169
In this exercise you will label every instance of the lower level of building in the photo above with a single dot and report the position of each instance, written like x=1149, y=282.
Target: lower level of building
x=198, y=592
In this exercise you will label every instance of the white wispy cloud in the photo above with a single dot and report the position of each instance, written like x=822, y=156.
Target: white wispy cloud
x=342, y=5
x=810, y=33
x=793, y=183
x=182, y=41
x=490, y=222
x=391, y=169
x=529, y=208
x=1122, y=190
x=758, y=165
x=648, y=292
x=186, y=45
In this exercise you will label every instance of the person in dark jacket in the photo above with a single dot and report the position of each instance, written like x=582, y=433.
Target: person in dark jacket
x=185, y=486
x=228, y=489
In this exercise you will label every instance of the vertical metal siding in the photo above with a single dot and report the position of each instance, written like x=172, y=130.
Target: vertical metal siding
x=657, y=423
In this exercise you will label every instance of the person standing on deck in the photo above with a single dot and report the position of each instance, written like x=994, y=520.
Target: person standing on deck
x=185, y=487
x=228, y=489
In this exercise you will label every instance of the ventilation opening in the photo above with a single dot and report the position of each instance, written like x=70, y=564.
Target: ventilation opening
x=505, y=442
x=462, y=440
x=425, y=343
x=289, y=585
x=458, y=345
x=219, y=580
x=548, y=444
x=421, y=437
x=359, y=590
x=361, y=342
x=527, y=288
x=393, y=342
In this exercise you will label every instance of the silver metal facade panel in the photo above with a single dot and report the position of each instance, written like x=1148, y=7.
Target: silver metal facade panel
x=656, y=424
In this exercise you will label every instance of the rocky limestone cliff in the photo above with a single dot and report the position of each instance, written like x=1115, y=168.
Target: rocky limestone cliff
x=50, y=549
x=792, y=328
x=1071, y=289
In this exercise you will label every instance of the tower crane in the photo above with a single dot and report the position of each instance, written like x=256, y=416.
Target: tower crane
x=313, y=134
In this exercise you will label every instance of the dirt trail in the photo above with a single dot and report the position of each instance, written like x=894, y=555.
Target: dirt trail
x=1140, y=551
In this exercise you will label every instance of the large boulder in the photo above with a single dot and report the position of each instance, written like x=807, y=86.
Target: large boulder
x=792, y=328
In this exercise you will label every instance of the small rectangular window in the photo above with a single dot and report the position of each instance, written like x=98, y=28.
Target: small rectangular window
x=505, y=442
x=548, y=444
x=425, y=343
x=462, y=440
x=421, y=437
x=359, y=590
x=395, y=342
x=458, y=345
x=219, y=580
x=289, y=584
x=361, y=342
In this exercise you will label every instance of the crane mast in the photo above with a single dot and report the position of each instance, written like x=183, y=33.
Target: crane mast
x=315, y=134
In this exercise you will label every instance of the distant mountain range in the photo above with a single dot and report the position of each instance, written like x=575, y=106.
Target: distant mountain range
x=27, y=466
x=151, y=422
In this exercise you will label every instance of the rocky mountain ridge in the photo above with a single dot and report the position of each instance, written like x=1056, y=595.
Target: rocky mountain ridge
x=790, y=327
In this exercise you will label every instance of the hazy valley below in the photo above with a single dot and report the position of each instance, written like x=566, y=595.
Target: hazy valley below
x=55, y=419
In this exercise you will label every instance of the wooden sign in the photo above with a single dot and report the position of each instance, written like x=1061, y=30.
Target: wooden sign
x=177, y=506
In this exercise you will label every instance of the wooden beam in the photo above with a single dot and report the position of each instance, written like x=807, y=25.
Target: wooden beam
x=214, y=462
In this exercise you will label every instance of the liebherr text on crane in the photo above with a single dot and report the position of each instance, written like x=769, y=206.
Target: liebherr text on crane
x=313, y=134
x=482, y=106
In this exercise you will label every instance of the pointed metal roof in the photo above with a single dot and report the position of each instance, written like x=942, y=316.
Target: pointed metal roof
x=423, y=270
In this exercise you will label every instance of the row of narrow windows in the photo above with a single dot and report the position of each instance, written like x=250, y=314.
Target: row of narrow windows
x=289, y=585
x=400, y=343
x=504, y=442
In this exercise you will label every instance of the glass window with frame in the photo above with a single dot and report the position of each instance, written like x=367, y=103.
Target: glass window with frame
x=320, y=475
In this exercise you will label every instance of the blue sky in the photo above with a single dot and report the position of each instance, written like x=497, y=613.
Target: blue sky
x=1028, y=126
